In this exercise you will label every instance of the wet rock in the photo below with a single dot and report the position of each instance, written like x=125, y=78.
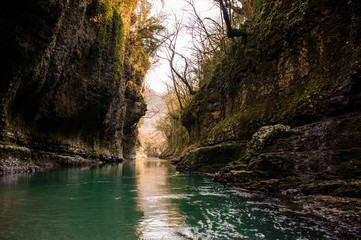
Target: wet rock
x=345, y=212
x=335, y=188
x=15, y=159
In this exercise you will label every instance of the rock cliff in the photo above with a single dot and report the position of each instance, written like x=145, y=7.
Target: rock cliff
x=70, y=88
x=289, y=101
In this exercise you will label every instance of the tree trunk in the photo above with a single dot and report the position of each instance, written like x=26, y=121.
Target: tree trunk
x=231, y=32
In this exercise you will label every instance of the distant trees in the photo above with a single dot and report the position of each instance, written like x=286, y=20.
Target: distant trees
x=151, y=140
x=170, y=125
x=211, y=37
x=192, y=67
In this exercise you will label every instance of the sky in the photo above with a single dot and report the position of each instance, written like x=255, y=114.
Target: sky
x=159, y=73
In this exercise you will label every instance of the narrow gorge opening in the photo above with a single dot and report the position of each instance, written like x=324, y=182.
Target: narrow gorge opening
x=207, y=119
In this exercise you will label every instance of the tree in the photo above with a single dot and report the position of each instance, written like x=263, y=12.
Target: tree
x=181, y=73
x=209, y=42
x=226, y=7
x=146, y=34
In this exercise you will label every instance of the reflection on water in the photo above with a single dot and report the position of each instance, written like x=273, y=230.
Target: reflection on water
x=145, y=199
x=160, y=218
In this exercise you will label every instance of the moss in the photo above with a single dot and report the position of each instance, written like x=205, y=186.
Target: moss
x=259, y=4
x=351, y=189
x=223, y=125
x=213, y=158
x=265, y=136
x=93, y=151
x=274, y=185
x=61, y=3
x=118, y=45
x=245, y=117
x=111, y=30
x=272, y=108
x=178, y=139
x=349, y=162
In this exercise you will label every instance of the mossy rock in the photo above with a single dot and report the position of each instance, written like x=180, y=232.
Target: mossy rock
x=340, y=189
x=277, y=165
x=349, y=163
x=211, y=159
x=352, y=189
x=276, y=185
x=266, y=135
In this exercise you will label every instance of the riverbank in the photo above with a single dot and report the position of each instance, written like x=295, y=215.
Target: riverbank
x=316, y=165
x=305, y=198
x=280, y=114
x=16, y=159
x=144, y=199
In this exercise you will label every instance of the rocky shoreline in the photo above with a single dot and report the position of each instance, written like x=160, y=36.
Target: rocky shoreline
x=15, y=159
x=341, y=212
x=289, y=104
x=314, y=166
x=344, y=213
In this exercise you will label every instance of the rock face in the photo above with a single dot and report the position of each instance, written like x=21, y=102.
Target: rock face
x=293, y=94
x=301, y=68
x=68, y=83
x=210, y=159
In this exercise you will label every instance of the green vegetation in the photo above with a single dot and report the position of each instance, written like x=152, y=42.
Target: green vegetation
x=61, y=3
x=93, y=151
x=343, y=189
x=177, y=135
x=111, y=30
x=126, y=29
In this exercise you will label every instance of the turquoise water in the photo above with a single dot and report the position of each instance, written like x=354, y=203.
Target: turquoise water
x=145, y=199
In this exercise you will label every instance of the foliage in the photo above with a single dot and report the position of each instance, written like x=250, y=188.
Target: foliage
x=210, y=44
x=127, y=25
x=147, y=32
x=171, y=126
x=144, y=39
x=111, y=30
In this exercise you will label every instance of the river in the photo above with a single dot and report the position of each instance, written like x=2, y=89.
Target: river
x=145, y=199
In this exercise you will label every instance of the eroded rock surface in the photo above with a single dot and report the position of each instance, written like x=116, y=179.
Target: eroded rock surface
x=68, y=82
x=294, y=94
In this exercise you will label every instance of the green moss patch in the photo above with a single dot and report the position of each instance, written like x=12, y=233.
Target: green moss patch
x=111, y=30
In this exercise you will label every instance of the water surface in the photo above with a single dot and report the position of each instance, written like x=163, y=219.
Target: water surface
x=145, y=199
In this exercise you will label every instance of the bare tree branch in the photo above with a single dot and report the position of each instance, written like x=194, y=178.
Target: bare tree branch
x=231, y=32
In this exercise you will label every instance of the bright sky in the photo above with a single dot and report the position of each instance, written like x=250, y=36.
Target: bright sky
x=159, y=73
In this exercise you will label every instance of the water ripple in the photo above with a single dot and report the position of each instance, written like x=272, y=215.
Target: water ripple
x=145, y=200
